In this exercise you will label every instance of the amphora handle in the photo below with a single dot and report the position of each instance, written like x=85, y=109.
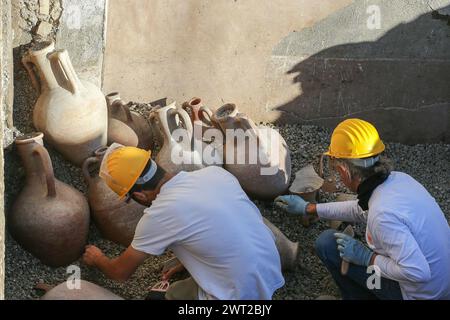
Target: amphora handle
x=85, y=168
x=44, y=157
x=28, y=64
x=60, y=59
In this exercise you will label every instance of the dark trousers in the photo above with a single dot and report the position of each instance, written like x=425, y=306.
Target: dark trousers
x=353, y=286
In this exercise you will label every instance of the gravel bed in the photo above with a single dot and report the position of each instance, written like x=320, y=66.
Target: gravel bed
x=429, y=164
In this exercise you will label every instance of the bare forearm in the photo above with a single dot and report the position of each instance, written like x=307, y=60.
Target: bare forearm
x=120, y=268
x=109, y=268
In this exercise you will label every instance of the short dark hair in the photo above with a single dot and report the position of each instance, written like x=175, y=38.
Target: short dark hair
x=153, y=182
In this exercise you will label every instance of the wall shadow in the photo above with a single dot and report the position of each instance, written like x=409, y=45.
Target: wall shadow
x=400, y=82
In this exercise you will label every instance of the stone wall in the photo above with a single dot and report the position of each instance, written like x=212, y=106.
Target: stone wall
x=82, y=32
x=75, y=25
x=290, y=61
x=6, y=95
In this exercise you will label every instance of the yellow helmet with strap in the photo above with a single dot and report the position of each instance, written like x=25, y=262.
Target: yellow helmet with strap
x=121, y=167
x=355, y=139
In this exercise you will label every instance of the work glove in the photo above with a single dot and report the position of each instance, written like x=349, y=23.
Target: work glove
x=352, y=250
x=292, y=204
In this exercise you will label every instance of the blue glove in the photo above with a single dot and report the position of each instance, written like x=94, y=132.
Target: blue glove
x=292, y=204
x=352, y=250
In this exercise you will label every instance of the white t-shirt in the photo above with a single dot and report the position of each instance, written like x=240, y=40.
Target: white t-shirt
x=408, y=230
x=216, y=232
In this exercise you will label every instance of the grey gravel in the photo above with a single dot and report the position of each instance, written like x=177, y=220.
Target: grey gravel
x=429, y=164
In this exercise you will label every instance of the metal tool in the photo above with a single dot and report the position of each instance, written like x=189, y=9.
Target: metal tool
x=161, y=286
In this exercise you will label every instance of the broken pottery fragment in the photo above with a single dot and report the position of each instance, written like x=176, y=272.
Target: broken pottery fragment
x=306, y=185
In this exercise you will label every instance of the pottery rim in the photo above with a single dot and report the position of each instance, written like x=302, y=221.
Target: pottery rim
x=29, y=138
x=100, y=152
x=195, y=101
x=226, y=110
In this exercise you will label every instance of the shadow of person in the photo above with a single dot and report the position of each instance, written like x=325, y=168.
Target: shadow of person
x=399, y=81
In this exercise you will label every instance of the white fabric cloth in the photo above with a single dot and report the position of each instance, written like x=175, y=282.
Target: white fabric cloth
x=408, y=230
x=216, y=232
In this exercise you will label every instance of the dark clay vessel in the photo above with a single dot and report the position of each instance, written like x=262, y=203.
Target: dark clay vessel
x=251, y=175
x=86, y=291
x=119, y=111
x=115, y=218
x=49, y=218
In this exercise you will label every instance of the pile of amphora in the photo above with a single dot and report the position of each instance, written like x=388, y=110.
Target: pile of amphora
x=50, y=219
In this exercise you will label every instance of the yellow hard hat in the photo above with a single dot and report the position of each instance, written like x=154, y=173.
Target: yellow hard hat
x=122, y=166
x=355, y=139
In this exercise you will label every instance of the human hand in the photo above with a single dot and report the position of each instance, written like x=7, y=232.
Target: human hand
x=292, y=204
x=352, y=250
x=91, y=255
x=167, y=274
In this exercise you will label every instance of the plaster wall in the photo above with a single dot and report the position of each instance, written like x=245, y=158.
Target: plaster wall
x=311, y=62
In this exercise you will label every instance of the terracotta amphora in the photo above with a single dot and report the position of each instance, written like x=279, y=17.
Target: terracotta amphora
x=207, y=138
x=71, y=113
x=120, y=111
x=86, y=291
x=287, y=249
x=175, y=129
x=116, y=219
x=200, y=114
x=257, y=156
x=48, y=218
x=121, y=133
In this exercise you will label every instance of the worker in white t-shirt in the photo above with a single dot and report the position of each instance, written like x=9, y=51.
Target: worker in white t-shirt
x=204, y=218
x=407, y=235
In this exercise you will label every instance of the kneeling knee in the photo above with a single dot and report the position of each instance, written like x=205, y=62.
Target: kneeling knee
x=326, y=244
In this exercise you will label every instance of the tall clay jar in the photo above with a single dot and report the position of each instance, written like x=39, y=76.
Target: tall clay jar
x=200, y=115
x=264, y=174
x=207, y=139
x=119, y=111
x=71, y=113
x=49, y=218
x=168, y=119
x=115, y=218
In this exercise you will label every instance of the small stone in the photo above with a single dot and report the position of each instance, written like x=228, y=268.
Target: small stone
x=55, y=13
x=44, y=29
x=44, y=7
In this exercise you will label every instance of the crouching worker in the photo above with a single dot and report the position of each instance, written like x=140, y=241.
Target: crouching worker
x=407, y=234
x=204, y=217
